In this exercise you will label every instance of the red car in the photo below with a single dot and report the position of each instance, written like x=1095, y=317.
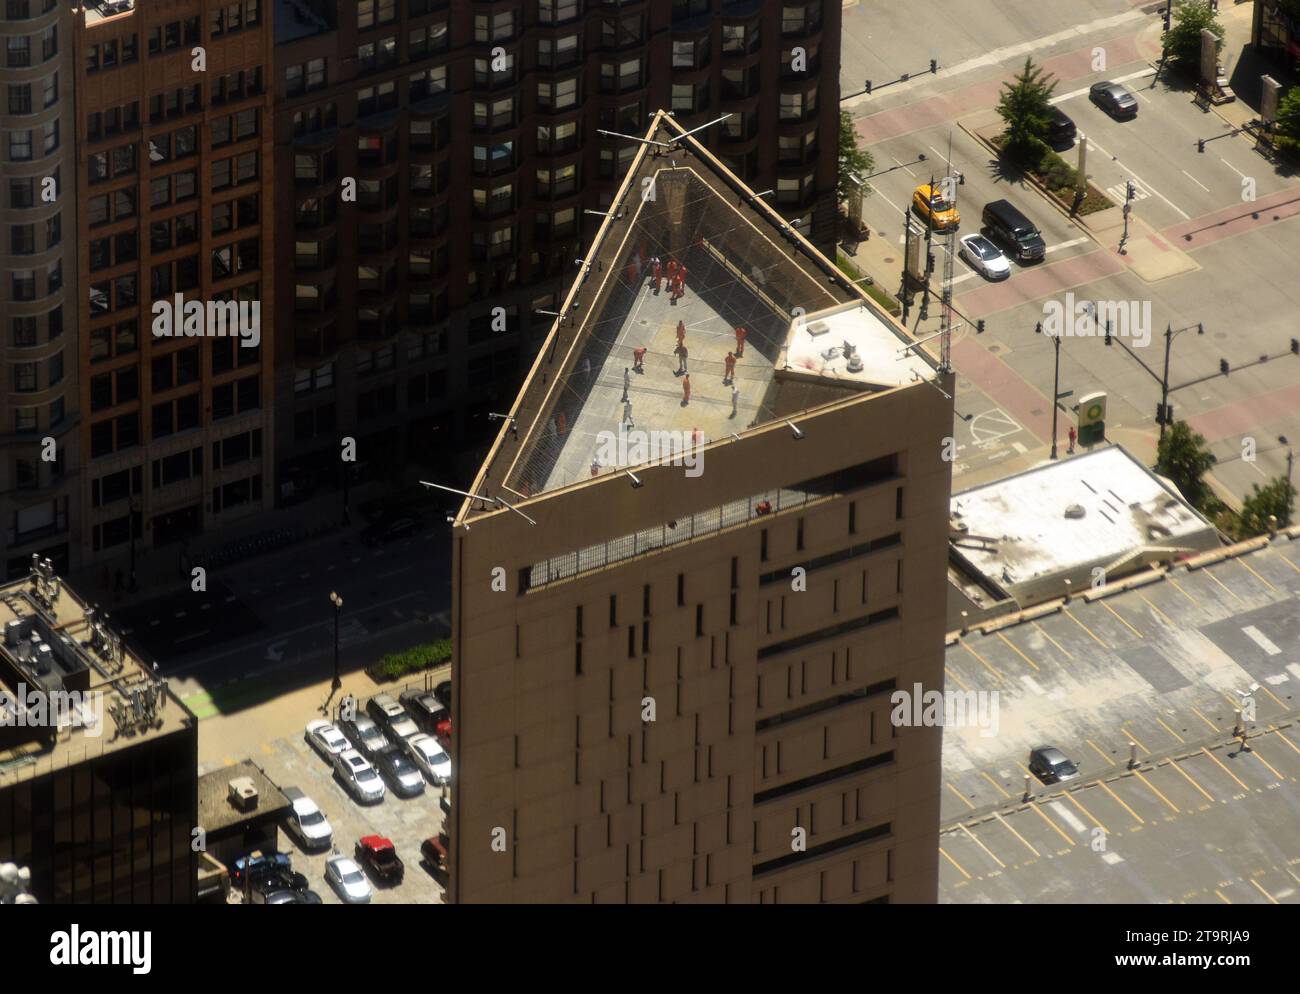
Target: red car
x=442, y=732
x=378, y=855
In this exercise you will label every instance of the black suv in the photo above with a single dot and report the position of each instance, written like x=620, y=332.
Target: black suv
x=1004, y=224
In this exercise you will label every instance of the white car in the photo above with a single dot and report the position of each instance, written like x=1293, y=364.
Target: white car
x=306, y=822
x=348, y=881
x=361, y=779
x=326, y=739
x=984, y=257
x=428, y=755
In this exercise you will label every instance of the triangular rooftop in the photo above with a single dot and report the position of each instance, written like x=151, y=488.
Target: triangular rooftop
x=812, y=337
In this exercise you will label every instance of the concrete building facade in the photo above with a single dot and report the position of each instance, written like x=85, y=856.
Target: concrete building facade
x=675, y=686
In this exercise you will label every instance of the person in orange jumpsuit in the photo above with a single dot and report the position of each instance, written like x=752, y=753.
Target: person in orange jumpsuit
x=730, y=366
x=740, y=342
x=672, y=270
x=686, y=389
x=678, y=288
x=638, y=360
x=681, y=332
x=681, y=277
x=657, y=271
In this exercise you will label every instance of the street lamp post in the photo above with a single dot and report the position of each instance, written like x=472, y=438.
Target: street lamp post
x=337, y=601
x=1056, y=382
x=1170, y=334
x=1290, y=456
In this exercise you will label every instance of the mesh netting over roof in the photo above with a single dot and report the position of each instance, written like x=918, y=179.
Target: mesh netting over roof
x=744, y=269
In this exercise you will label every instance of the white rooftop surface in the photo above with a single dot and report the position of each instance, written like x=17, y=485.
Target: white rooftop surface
x=1126, y=507
x=816, y=342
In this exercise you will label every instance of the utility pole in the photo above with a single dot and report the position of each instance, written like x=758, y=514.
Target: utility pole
x=1170, y=333
x=337, y=601
x=1129, y=192
x=1056, y=382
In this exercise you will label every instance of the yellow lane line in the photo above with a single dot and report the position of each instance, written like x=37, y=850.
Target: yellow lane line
x=1224, y=768
x=961, y=795
x=1170, y=730
x=1168, y=620
x=1254, y=883
x=1152, y=788
x=1170, y=579
x=1121, y=620
x=1053, y=824
x=960, y=682
x=994, y=783
x=1061, y=648
x=955, y=863
x=1204, y=719
x=1255, y=752
x=1256, y=575
x=1065, y=611
x=1283, y=738
x=1016, y=834
x=1110, y=760
x=1221, y=897
x=1017, y=651
x=1278, y=553
x=983, y=846
x=1120, y=801
x=1223, y=585
x=1177, y=766
x=987, y=665
x=1135, y=739
x=1069, y=796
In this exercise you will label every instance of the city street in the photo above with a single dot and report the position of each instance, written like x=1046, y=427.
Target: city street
x=1203, y=251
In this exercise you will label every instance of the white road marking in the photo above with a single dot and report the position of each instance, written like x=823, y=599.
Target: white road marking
x=1067, y=816
x=1148, y=71
x=1070, y=244
x=1139, y=180
x=1032, y=684
x=1112, y=858
x=1277, y=678
x=905, y=168
x=1119, y=192
x=1261, y=640
x=1196, y=181
x=1232, y=167
x=1294, y=670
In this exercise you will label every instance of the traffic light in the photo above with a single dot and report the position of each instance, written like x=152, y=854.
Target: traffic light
x=1108, y=333
x=934, y=66
x=1223, y=366
x=979, y=330
x=1129, y=190
x=1164, y=16
x=1160, y=413
x=1200, y=145
x=1295, y=346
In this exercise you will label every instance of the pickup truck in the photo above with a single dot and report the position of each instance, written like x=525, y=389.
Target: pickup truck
x=378, y=855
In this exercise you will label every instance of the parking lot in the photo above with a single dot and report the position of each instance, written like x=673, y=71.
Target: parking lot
x=291, y=762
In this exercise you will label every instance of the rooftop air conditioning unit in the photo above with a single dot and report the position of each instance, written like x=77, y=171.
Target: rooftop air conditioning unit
x=818, y=328
x=243, y=794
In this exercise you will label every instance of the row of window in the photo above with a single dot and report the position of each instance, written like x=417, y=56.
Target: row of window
x=22, y=10
x=23, y=240
x=123, y=432
x=23, y=193
x=22, y=143
x=21, y=100
x=22, y=282
x=20, y=49
x=24, y=331
x=123, y=339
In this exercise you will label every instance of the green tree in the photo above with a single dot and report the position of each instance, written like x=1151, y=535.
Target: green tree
x=1182, y=42
x=1025, y=106
x=1184, y=459
x=854, y=160
x=1288, y=119
x=1276, y=498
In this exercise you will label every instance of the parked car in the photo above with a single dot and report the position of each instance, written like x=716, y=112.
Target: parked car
x=359, y=777
x=348, y=881
x=443, y=693
x=256, y=862
x=390, y=529
x=262, y=872
x=1114, y=98
x=378, y=855
x=306, y=822
x=399, y=772
x=932, y=206
x=1004, y=224
x=1050, y=765
x=325, y=737
x=391, y=717
x=434, y=851
x=365, y=736
x=1061, y=133
x=984, y=257
x=424, y=708
x=429, y=756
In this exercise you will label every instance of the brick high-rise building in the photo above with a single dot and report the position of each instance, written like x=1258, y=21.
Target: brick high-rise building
x=174, y=190
x=674, y=660
x=39, y=373
x=408, y=307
